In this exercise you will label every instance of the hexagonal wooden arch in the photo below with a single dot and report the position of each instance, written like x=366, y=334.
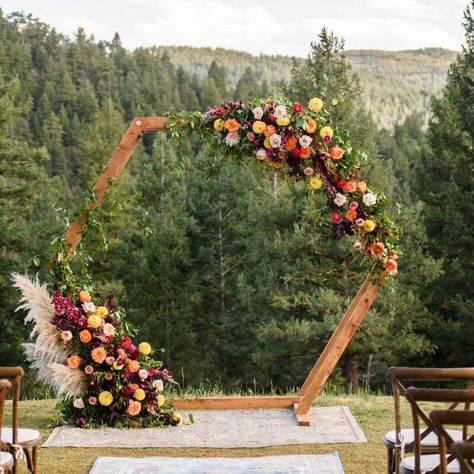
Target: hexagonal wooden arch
x=325, y=364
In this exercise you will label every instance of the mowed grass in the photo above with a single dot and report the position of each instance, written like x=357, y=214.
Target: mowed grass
x=374, y=413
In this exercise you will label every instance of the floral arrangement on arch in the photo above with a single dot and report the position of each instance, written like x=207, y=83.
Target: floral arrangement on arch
x=83, y=349
x=304, y=145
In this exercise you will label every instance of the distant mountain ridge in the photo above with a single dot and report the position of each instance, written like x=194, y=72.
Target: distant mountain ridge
x=395, y=83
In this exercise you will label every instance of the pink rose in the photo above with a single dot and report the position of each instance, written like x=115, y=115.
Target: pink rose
x=251, y=136
x=143, y=374
x=280, y=111
x=353, y=205
x=360, y=222
x=308, y=171
x=275, y=140
x=158, y=384
x=88, y=369
x=257, y=112
x=109, y=330
x=305, y=141
x=261, y=154
x=108, y=376
x=78, y=403
x=92, y=401
x=109, y=360
x=357, y=245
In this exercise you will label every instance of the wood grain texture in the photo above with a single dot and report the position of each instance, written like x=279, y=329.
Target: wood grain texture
x=228, y=403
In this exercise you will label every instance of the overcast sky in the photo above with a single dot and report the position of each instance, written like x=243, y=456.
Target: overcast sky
x=268, y=26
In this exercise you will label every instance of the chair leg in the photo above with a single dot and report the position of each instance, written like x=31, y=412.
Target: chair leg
x=35, y=459
x=389, y=460
x=29, y=463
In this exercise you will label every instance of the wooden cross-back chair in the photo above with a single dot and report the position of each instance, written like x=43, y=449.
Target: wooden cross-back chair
x=462, y=451
x=6, y=459
x=432, y=463
x=401, y=440
x=17, y=439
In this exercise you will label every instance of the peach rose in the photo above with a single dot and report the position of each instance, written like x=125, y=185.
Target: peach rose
x=232, y=125
x=351, y=215
x=66, y=336
x=290, y=143
x=336, y=152
x=85, y=336
x=98, y=355
x=134, y=366
x=74, y=361
x=310, y=126
x=305, y=152
x=269, y=131
x=376, y=249
x=134, y=407
x=362, y=187
x=84, y=296
x=350, y=186
x=391, y=266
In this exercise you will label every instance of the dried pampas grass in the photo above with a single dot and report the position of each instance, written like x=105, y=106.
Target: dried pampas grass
x=47, y=353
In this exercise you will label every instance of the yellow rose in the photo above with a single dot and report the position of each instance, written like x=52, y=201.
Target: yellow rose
x=94, y=321
x=105, y=398
x=102, y=311
x=144, y=348
x=219, y=125
x=259, y=127
x=369, y=225
x=160, y=399
x=326, y=131
x=334, y=102
x=315, y=104
x=139, y=394
x=116, y=366
x=178, y=417
x=315, y=182
x=267, y=144
x=283, y=121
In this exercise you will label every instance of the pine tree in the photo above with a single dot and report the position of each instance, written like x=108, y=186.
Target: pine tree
x=446, y=186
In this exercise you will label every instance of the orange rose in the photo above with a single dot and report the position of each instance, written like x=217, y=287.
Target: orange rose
x=350, y=186
x=336, y=152
x=98, y=355
x=290, y=143
x=351, y=215
x=134, y=407
x=306, y=152
x=84, y=296
x=232, y=125
x=376, y=249
x=85, y=336
x=74, y=361
x=134, y=366
x=269, y=131
x=310, y=126
x=391, y=266
x=362, y=187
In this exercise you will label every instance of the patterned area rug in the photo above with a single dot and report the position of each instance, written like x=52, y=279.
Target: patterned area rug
x=224, y=429
x=317, y=464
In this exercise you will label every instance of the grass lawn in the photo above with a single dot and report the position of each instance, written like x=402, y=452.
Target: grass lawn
x=373, y=413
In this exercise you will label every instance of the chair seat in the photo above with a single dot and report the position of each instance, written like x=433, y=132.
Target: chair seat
x=26, y=437
x=6, y=460
x=389, y=439
x=428, y=462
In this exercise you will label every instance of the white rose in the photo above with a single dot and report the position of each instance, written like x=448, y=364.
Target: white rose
x=143, y=374
x=232, y=138
x=280, y=111
x=275, y=140
x=369, y=199
x=158, y=384
x=340, y=199
x=257, y=112
x=78, y=403
x=88, y=307
x=305, y=141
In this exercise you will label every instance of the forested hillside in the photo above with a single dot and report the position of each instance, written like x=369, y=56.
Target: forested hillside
x=231, y=269
x=395, y=84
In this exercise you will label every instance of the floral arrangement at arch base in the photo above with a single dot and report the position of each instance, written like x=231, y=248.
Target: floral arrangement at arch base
x=83, y=350
x=304, y=145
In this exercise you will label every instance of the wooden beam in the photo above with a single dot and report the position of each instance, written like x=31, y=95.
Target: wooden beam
x=114, y=168
x=302, y=420
x=337, y=344
x=225, y=403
